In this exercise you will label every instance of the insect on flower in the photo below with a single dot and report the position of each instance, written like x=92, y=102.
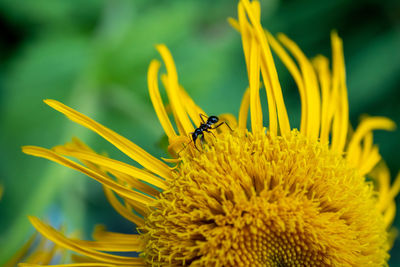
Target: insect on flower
x=205, y=126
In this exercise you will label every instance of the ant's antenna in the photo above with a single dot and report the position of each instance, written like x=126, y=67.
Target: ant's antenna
x=184, y=146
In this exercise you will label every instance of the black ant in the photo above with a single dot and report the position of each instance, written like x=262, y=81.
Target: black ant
x=205, y=126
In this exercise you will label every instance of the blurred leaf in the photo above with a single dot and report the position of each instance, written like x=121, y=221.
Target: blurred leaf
x=372, y=71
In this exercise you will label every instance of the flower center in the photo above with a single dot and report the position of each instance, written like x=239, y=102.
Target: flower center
x=258, y=200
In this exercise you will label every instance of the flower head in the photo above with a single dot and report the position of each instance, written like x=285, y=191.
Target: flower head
x=272, y=196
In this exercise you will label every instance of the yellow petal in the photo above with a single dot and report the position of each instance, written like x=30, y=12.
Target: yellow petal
x=229, y=119
x=112, y=246
x=169, y=108
x=395, y=188
x=62, y=241
x=254, y=82
x=389, y=214
x=42, y=256
x=123, y=191
x=311, y=89
x=114, y=165
x=367, y=146
x=244, y=109
x=251, y=51
x=246, y=35
x=133, y=183
x=123, y=144
x=381, y=175
x=101, y=234
x=171, y=160
x=78, y=146
x=191, y=108
x=321, y=65
x=366, y=126
x=21, y=252
x=87, y=264
x=234, y=23
x=294, y=71
x=373, y=158
x=123, y=211
x=341, y=113
x=267, y=60
x=152, y=81
x=173, y=90
x=273, y=122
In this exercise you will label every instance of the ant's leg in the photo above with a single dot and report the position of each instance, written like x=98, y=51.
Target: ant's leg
x=182, y=149
x=210, y=132
x=228, y=126
x=202, y=116
x=196, y=146
x=193, y=140
x=224, y=122
x=218, y=125
x=184, y=146
x=194, y=143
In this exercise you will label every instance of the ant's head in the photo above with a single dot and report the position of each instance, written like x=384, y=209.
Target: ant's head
x=212, y=119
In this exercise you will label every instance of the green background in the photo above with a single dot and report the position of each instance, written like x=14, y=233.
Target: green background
x=93, y=56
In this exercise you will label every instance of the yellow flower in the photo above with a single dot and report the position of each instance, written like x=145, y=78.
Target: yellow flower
x=275, y=196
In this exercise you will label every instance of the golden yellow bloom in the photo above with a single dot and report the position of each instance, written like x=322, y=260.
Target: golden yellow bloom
x=272, y=196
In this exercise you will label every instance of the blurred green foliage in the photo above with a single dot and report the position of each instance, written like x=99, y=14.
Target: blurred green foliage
x=93, y=56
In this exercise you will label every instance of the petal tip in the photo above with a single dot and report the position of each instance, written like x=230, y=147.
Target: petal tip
x=393, y=125
x=32, y=219
x=26, y=149
x=47, y=101
x=160, y=47
x=51, y=102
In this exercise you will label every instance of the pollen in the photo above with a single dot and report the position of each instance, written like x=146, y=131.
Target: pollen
x=255, y=199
